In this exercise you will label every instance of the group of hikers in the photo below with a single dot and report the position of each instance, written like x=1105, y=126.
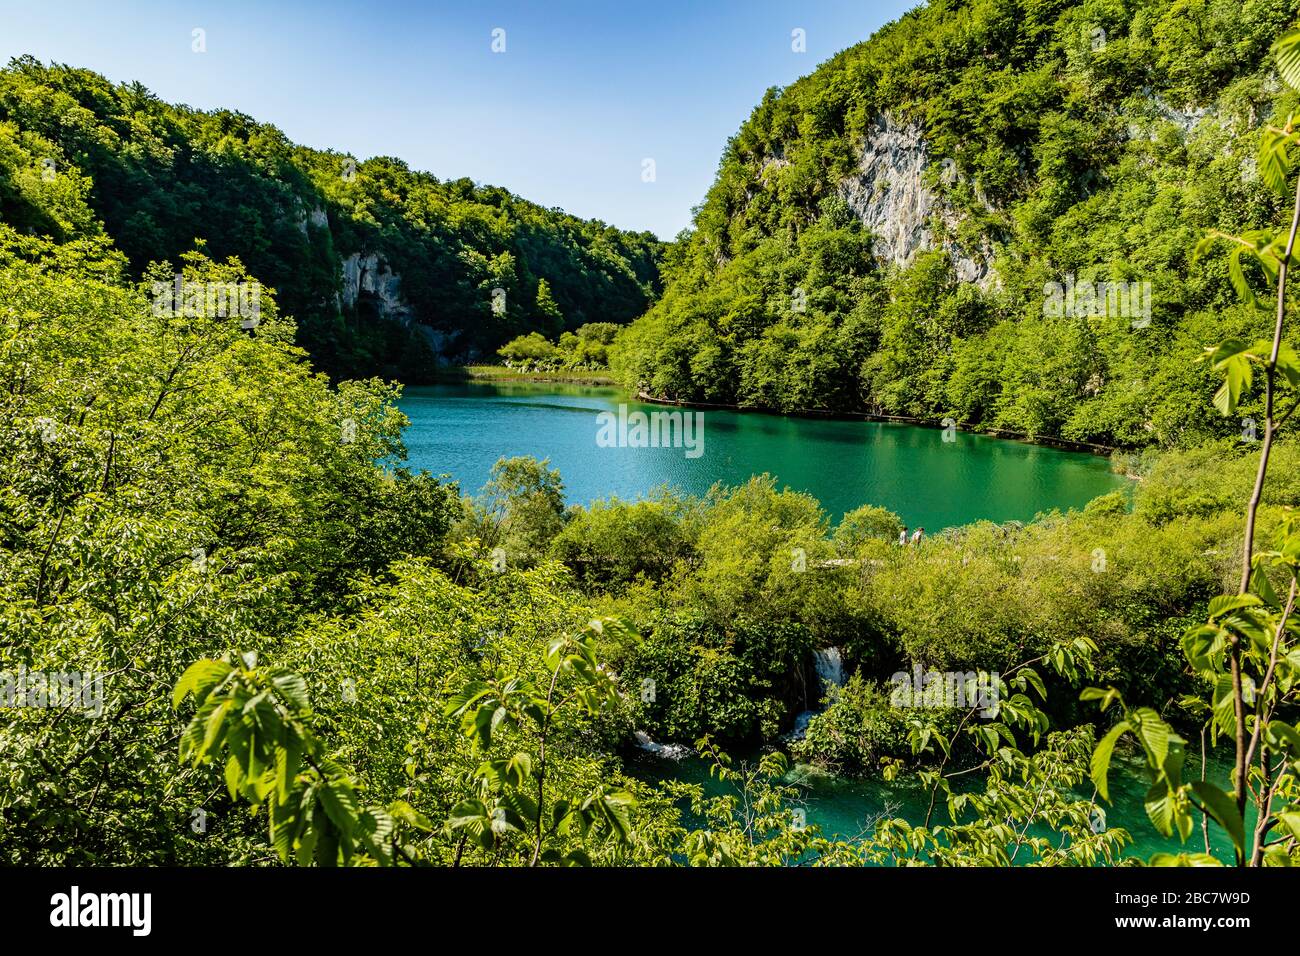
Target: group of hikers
x=903, y=539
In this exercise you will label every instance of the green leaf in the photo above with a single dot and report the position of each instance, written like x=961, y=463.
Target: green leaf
x=306, y=836
x=618, y=813
x=403, y=811
x=1223, y=702
x=1223, y=809
x=1231, y=602
x=1274, y=162
x=339, y=804
x=213, y=729
x=466, y=813
x=293, y=689
x=288, y=759
x=281, y=821
x=327, y=846
x=234, y=777
x=1105, y=696
x=1290, y=821
x=1100, y=764
x=1282, y=736
x=1287, y=52
x=522, y=805
x=1031, y=677
x=1288, y=365
x=1183, y=859
x=1232, y=359
x=374, y=830
x=1154, y=733
x=1204, y=645
x=460, y=702
x=1161, y=807
x=1261, y=585
x=198, y=679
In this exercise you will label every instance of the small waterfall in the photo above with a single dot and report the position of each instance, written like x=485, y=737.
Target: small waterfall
x=829, y=664
x=830, y=667
x=668, y=751
x=801, y=722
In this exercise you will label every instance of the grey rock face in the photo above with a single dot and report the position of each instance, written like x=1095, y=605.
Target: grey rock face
x=370, y=275
x=1186, y=119
x=888, y=193
x=316, y=216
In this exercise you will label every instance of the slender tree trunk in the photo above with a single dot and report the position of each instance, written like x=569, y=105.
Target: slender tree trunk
x=1248, y=546
x=541, y=768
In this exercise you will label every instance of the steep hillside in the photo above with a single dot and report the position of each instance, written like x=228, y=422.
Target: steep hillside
x=986, y=211
x=381, y=266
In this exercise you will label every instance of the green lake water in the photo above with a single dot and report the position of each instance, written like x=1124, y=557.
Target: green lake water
x=461, y=430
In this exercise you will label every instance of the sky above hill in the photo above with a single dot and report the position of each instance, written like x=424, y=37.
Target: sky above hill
x=561, y=102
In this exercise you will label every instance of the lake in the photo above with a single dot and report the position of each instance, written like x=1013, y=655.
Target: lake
x=461, y=430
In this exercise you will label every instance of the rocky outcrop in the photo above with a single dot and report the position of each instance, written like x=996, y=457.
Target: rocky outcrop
x=1186, y=119
x=369, y=277
x=889, y=194
x=315, y=217
x=1147, y=113
x=443, y=344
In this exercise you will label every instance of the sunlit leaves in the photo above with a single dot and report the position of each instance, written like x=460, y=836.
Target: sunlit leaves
x=1184, y=859
x=1262, y=247
x=199, y=679
x=1274, y=162
x=1166, y=801
x=513, y=789
x=256, y=716
x=1237, y=362
x=1287, y=53
x=1101, y=757
x=1232, y=359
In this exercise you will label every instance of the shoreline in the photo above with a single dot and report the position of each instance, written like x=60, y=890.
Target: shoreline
x=1063, y=444
x=491, y=373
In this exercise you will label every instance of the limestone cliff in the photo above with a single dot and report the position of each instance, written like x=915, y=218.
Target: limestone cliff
x=889, y=193
x=370, y=277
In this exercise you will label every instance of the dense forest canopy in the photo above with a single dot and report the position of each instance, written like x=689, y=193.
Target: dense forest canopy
x=80, y=155
x=1037, y=143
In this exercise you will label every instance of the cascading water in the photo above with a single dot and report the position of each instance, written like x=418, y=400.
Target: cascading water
x=670, y=751
x=829, y=664
x=830, y=667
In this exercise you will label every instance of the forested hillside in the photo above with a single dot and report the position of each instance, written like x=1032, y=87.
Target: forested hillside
x=381, y=265
x=902, y=230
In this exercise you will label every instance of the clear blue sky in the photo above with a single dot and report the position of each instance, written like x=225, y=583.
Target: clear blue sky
x=583, y=93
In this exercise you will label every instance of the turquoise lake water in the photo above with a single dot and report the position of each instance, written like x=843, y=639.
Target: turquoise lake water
x=461, y=430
